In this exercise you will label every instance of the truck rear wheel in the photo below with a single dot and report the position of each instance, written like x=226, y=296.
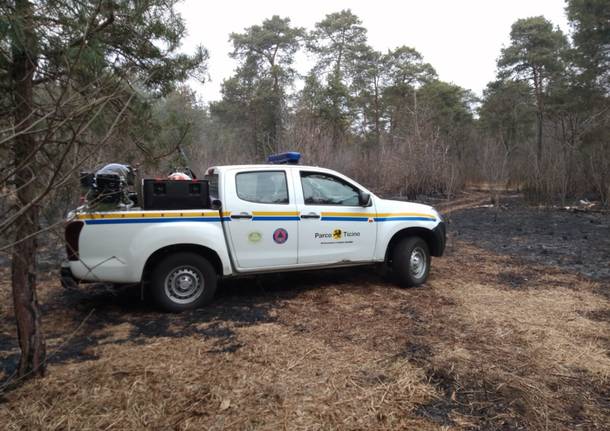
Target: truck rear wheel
x=411, y=261
x=183, y=281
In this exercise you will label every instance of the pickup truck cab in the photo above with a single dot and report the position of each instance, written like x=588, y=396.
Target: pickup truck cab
x=261, y=219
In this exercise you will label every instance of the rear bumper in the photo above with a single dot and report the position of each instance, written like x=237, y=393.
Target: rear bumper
x=440, y=239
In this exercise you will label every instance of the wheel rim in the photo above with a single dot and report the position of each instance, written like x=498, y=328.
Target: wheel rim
x=184, y=285
x=418, y=262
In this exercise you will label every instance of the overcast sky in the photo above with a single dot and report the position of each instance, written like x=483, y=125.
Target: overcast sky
x=461, y=39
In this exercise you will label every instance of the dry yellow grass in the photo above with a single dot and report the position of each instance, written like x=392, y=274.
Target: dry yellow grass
x=337, y=350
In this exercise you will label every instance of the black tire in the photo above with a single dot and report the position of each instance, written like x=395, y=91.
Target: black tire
x=183, y=281
x=408, y=257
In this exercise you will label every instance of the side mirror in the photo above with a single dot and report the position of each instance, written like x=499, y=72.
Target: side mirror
x=364, y=199
x=216, y=204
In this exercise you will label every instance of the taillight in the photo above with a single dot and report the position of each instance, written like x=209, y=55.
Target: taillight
x=72, y=233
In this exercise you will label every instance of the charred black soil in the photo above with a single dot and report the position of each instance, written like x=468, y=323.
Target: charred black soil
x=573, y=241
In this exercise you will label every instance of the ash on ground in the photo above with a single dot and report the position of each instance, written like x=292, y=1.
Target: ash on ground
x=574, y=241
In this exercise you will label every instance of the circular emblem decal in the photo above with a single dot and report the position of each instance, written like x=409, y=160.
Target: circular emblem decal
x=337, y=234
x=254, y=236
x=280, y=236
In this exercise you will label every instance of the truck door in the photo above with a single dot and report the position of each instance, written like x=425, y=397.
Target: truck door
x=262, y=232
x=334, y=227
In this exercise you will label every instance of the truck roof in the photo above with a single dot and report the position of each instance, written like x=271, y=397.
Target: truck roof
x=267, y=166
x=263, y=166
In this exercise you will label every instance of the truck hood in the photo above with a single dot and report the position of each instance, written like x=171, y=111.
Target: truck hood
x=392, y=206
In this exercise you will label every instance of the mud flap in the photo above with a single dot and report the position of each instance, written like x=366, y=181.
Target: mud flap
x=440, y=239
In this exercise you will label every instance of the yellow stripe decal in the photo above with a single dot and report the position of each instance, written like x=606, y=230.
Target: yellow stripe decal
x=385, y=215
x=186, y=214
x=378, y=215
x=93, y=216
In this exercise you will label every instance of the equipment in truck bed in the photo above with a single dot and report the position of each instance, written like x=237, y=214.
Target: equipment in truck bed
x=162, y=194
x=109, y=187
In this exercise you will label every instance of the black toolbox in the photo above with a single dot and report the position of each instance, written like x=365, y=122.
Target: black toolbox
x=175, y=194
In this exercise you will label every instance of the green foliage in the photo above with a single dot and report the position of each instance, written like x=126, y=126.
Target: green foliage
x=84, y=40
x=369, y=70
x=535, y=52
x=336, y=41
x=269, y=49
x=590, y=21
x=93, y=62
x=311, y=98
x=567, y=97
x=255, y=97
x=405, y=70
x=508, y=112
x=364, y=89
x=449, y=103
x=175, y=119
x=383, y=86
x=450, y=108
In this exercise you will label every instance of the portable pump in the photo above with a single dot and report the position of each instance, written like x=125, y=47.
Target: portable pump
x=109, y=186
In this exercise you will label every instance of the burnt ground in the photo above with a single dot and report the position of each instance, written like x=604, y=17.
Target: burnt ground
x=511, y=332
x=575, y=241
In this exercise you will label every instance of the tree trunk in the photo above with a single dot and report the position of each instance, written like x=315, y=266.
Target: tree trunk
x=539, y=115
x=277, y=111
x=27, y=313
x=377, y=114
x=539, y=139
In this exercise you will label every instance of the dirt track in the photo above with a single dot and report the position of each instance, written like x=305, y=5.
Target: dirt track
x=500, y=338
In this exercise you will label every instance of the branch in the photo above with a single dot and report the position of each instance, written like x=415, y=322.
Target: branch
x=173, y=150
x=85, y=37
x=81, y=111
x=7, y=223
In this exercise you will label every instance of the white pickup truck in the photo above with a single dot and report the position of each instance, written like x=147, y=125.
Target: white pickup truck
x=261, y=219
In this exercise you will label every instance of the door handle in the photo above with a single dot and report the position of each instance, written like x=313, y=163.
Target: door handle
x=243, y=215
x=310, y=215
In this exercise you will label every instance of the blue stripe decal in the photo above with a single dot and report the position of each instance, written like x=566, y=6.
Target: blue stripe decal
x=274, y=218
x=404, y=218
x=345, y=219
x=151, y=220
x=255, y=218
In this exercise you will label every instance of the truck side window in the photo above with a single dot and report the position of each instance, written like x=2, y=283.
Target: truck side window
x=324, y=189
x=265, y=187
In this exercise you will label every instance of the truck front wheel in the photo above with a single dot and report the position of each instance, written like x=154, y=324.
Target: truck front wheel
x=183, y=281
x=411, y=261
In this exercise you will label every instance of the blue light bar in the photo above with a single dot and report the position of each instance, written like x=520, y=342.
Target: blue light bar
x=291, y=157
